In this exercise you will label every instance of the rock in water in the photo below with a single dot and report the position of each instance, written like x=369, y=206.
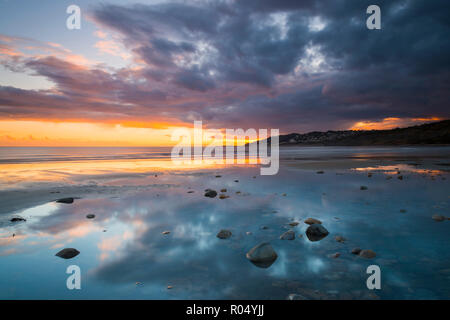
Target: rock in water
x=319, y=172
x=288, y=235
x=356, y=250
x=210, y=193
x=68, y=253
x=438, y=217
x=312, y=221
x=363, y=188
x=339, y=239
x=368, y=254
x=293, y=224
x=17, y=219
x=223, y=196
x=316, y=232
x=294, y=296
x=262, y=255
x=90, y=216
x=224, y=234
x=65, y=200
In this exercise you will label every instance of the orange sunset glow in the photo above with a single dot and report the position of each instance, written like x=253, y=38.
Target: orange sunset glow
x=391, y=123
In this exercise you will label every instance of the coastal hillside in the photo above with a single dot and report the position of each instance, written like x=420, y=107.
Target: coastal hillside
x=431, y=133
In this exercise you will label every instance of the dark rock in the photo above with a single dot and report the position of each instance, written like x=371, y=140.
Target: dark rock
x=339, y=239
x=335, y=255
x=319, y=172
x=368, y=254
x=288, y=235
x=402, y=210
x=68, y=253
x=316, y=232
x=90, y=216
x=223, y=196
x=224, y=234
x=65, y=200
x=356, y=250
x=190, y=191
x=400, y=177
x=17, y=219
x=293, y=224
x=262, y=255
x=210, y=193
x=223, y=190
x=363, y=188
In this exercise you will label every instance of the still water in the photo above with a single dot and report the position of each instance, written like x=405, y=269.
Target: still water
x=125, y=255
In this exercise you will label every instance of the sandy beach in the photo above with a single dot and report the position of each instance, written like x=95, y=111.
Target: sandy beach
x=154, y=229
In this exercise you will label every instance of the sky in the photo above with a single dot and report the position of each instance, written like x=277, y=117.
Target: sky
x=136, y=71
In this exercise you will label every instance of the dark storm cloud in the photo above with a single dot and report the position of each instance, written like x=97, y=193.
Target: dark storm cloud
x=296, y=65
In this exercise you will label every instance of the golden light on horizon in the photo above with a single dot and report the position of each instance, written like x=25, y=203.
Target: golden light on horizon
x=391, y=123
x=37, y=133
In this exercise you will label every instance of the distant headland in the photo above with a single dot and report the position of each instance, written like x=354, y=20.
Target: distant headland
x=425, y=134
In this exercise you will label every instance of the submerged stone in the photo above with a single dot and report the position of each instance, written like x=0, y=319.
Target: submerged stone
x=438, y=217
x=262, y=255
x=295, y=296
x=224, y=234
x=368, y=254
x=288, y=235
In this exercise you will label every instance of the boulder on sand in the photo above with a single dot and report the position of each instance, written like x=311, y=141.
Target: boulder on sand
x=262, y=255
x=68, y=253
x=316, y=232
